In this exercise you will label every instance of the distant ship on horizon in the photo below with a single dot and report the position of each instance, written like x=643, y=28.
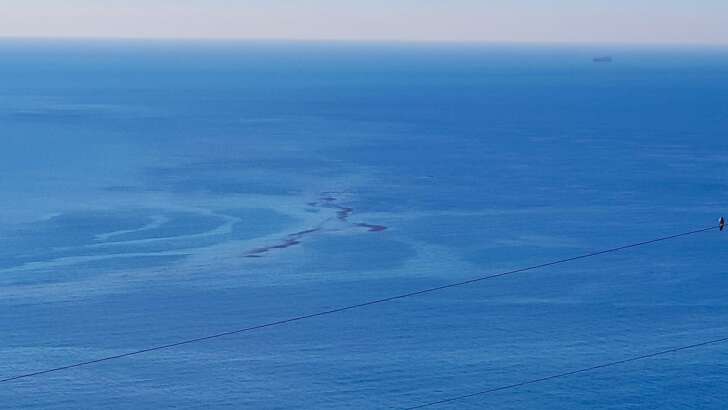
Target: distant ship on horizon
x=602, y=59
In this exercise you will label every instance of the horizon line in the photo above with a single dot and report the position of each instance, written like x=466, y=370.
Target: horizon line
x=361, y=41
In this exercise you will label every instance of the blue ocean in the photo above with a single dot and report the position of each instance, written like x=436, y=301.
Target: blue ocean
x=158, y=191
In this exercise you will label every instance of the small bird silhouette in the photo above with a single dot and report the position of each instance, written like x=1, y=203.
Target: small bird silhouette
x=721, y=223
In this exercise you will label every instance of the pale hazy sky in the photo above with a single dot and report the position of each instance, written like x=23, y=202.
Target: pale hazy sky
x=619, y=21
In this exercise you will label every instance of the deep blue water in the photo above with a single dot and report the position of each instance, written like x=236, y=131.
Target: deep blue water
x=153, y=192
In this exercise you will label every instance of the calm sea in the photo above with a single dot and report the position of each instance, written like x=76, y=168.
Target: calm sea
x=152, y=192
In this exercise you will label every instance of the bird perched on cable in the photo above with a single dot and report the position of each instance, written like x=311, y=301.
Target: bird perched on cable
x=721, y=223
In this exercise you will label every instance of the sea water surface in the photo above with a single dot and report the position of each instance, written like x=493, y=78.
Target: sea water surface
x=152, y=192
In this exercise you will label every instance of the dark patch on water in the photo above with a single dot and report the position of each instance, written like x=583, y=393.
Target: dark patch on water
x=372, y=228
x=326, y=201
